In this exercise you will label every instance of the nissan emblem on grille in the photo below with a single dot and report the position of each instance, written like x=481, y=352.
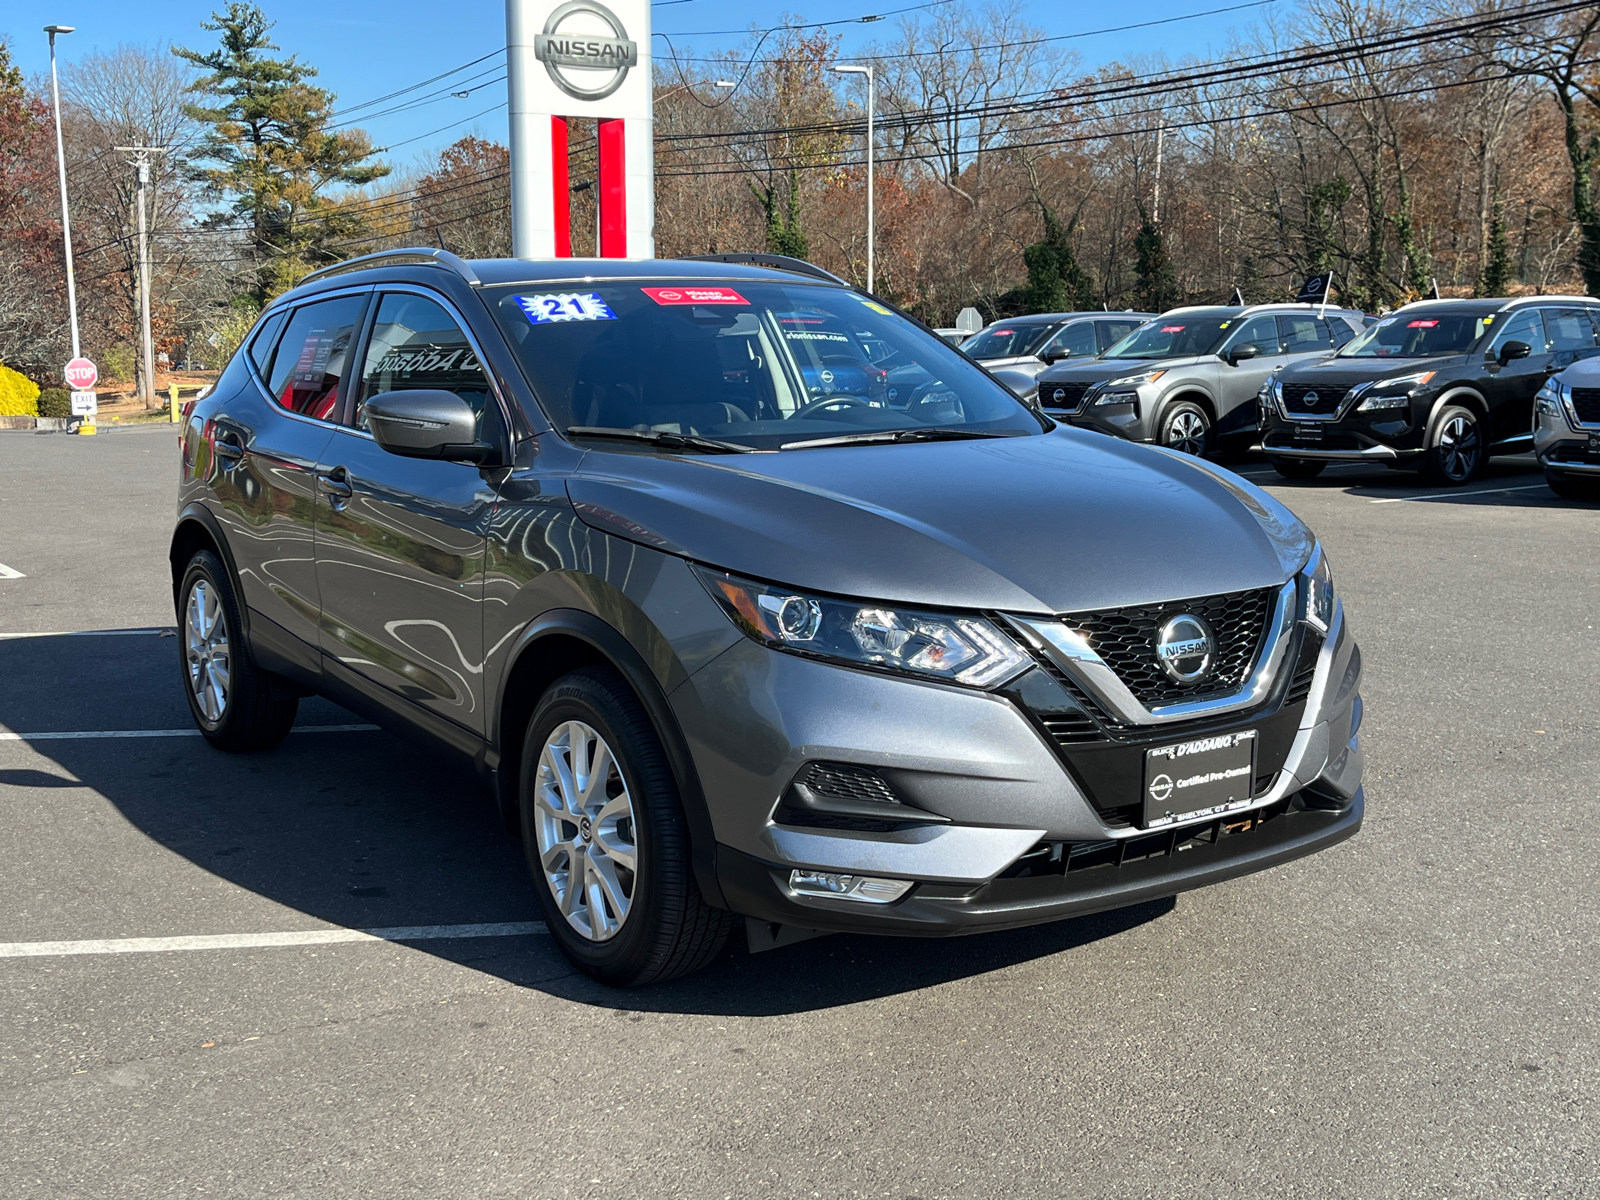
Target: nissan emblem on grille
x=1185, y=648
x=1310, y=400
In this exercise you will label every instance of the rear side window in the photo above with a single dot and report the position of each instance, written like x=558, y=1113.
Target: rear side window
x=1112, y=332
x=415, y=344
x=1301, y=335
x=1569, y=329
x=1343, y=330
x=266, y=337
x=311, y=356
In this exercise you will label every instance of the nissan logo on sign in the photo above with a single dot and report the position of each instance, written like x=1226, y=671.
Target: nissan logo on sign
x=569, y=51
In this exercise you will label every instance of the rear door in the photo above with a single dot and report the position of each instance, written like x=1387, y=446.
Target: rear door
x=267, y=446
x=401, y=542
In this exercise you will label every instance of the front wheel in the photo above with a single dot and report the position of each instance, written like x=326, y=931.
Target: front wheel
x=1455, y=452
x=1570, y=487
x=605, y=837
x=232, y=700
x=1186, y=427
x=1298, y=468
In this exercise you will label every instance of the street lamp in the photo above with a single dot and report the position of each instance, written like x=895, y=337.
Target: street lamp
x=61, y=165
x=867, y=71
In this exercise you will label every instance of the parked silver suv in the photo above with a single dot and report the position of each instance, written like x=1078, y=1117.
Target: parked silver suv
x=1566, y=430
x=1188, y=379
x=1016, y=350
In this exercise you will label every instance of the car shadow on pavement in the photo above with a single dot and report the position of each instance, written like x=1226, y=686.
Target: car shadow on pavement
x=364, y=830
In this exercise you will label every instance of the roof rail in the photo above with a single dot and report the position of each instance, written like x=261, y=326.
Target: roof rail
x=1546, y=300
x=435, y=258
x=778, y=262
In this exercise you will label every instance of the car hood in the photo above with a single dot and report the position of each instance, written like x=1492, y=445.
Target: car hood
x=1011, y=360
x=1059, y=522
x=1097, y=370
x=1348, y=372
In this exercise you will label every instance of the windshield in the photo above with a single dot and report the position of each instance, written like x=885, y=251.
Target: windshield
x=758, y=364
x=1173, y=337
x=1421, y=336
x=1009, y=340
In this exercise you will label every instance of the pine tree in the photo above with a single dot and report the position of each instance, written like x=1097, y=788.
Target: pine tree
x=1496, y=276
x=1157, y=287
x=1056, y=283
x=784, y=232
x=275, y=155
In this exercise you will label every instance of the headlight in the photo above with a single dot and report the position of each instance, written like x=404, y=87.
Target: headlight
x=1138, y=380
x=1552, y=396
x=1408, y=385
x=1316, y=585
x=957, y=649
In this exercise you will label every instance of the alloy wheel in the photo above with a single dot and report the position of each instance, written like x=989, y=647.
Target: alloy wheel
x=207, y=651
x=585, y=830
x=1459, y=448
x=1187, y=432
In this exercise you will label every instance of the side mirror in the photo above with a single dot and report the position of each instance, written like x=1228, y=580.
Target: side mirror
x=1514, y=350
x=427, y=423
x=1054, y=355
x=1239, y=353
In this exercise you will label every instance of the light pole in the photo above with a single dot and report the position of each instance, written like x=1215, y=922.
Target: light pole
x=867, y=71
x=61, y=165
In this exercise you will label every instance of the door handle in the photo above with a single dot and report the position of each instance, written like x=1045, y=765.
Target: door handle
x=227, y=446
x=336, y=484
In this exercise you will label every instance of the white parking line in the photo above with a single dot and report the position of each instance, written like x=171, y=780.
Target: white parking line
x=256, y=941
x=5, y=637
x=83, y=734
x=10, y=572
x=1532, y=487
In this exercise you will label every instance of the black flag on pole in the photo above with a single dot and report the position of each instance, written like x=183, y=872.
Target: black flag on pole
x=1315, y=289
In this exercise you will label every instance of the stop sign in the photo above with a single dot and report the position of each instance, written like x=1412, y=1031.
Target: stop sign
x=81, y=374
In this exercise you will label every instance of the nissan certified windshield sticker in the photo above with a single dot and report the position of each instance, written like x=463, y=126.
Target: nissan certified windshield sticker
x=1422, y=325
x=1172, y=329
x=694, y=295
x=565, y=306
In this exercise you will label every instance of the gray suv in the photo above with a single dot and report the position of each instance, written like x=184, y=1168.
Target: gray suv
x=712, y=573
x=1188, y=379
x=1566, y=428
x=1016, y=350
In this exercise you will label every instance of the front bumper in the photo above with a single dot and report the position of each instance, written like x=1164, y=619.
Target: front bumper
x=1564, y=450
x=999, y=796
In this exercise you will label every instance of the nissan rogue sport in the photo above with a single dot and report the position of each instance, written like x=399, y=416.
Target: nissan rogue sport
x=713, y=573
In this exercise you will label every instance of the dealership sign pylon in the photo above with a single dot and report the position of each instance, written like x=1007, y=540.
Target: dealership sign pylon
x=580, y=58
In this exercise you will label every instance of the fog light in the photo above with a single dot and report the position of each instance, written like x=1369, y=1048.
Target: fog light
x=866, y=888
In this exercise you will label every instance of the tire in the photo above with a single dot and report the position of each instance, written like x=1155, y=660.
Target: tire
x=1455, y=451
x=1569, y=487
x=1186, y=428
x=628, y=924
x=1298, y=468
x=233, y=701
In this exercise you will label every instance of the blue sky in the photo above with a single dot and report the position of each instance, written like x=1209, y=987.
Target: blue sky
x=407, y=41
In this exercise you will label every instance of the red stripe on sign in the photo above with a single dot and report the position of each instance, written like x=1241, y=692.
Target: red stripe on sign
x=694, y=295
x=561, y=192
x=613, y=191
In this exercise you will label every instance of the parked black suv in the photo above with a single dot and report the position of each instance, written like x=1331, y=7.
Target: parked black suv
x=1439, y=385
x=714, y=573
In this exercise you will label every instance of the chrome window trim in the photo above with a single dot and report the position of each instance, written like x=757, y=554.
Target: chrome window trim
x=1071, y=652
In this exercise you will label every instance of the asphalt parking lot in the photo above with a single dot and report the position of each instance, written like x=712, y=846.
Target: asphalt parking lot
x=1410, y=1014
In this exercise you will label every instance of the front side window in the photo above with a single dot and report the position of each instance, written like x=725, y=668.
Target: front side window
x=1011, y=339
x=1260, y=332
x=310, y=358
x=761, y=364
x=1179, y=335
x=1524, y=326
x=416, y=344
x=1424, y=334
x=1077, y=340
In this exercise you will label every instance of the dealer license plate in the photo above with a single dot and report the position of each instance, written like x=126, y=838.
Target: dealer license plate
x=1308, y=433
x=1594, y=443
x=1203, y=778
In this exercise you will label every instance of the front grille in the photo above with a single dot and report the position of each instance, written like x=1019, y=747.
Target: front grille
x=1064, y=858
x=1305, y=669
x=1586, y=403
x=1125, y=638
x=848, y=782
x=1326, y=402
x=1062, y=395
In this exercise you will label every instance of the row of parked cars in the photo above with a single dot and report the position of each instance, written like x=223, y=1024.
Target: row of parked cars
x=1437, y=386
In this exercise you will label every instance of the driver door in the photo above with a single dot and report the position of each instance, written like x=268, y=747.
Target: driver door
x=1511, y=386
x=1238, y=384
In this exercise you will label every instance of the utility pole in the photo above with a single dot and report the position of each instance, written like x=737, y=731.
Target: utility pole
x=1155, y=203
x=869, y=72
x=141, y=160
x=61, y=166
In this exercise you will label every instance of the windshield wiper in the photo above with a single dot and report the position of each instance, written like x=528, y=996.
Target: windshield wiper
x=883, y=436
x=660, y=437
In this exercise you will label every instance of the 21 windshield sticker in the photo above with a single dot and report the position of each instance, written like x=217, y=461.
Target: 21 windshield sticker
x=565, y=306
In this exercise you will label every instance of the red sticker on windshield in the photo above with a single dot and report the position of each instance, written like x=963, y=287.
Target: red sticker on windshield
x=1004, y=332
x=1422, y=325
x=694, y=295
x=1172, y=329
